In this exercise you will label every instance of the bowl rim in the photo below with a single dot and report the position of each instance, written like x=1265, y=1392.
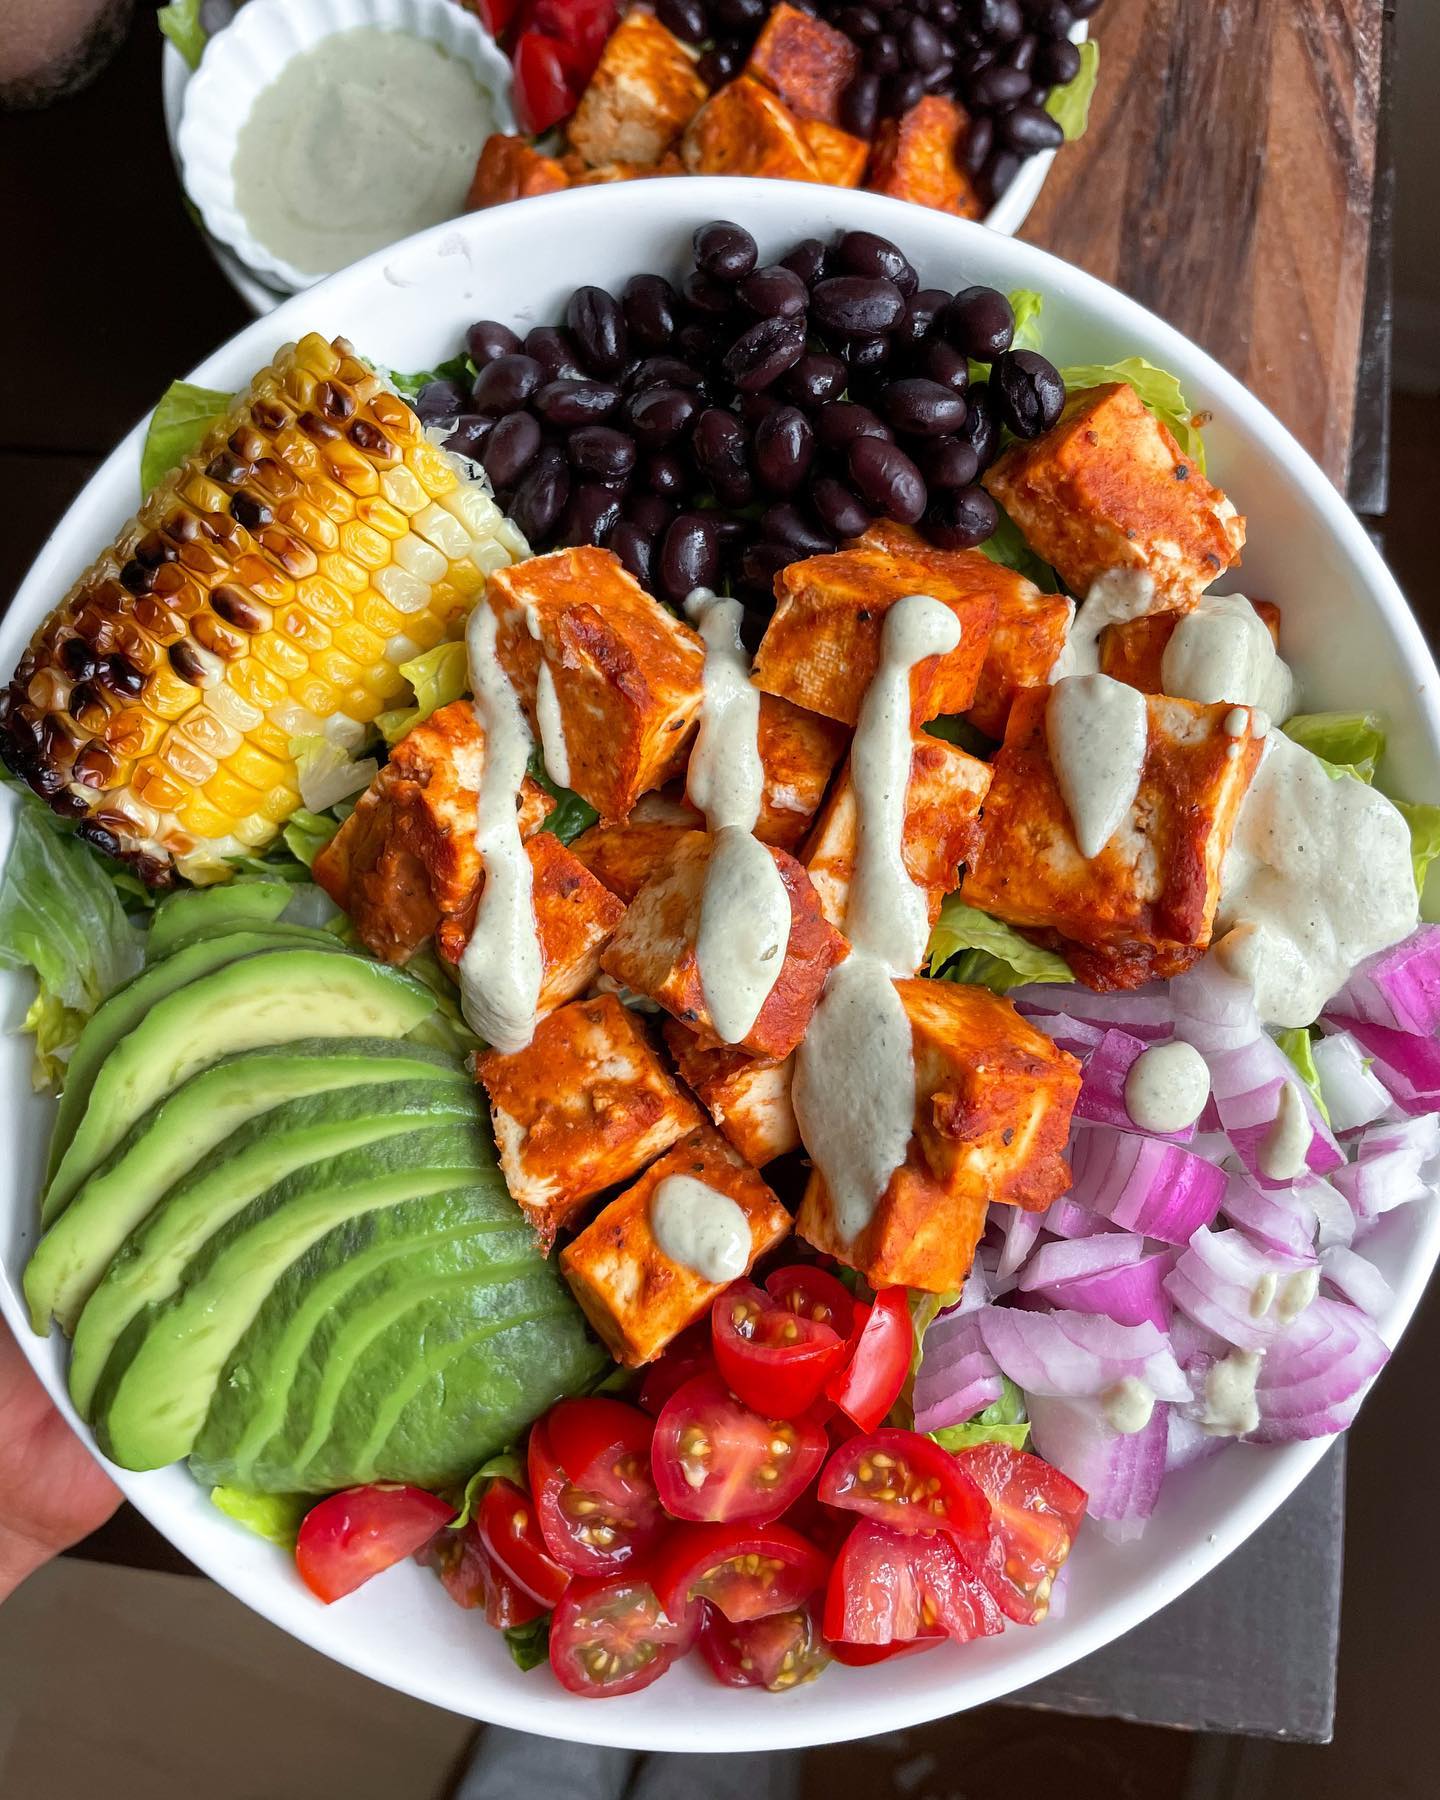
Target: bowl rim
x=777, y=1722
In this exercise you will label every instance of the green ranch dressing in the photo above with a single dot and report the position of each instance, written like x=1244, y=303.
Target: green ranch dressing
x=358, y=142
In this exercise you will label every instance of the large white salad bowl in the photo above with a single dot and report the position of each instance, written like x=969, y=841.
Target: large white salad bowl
x=1347, y=631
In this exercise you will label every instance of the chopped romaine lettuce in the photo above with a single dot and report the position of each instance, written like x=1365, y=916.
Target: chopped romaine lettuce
x=328, y=774
x=1424, y=823
x=54, y=1027
x=1005, y=545
x=180, y=22
x=436, y=678
x=529, y=1645
x=1027, y=306
x=307, y=833
x=458, y=369
x=1297, y=1046
x=1002, y=1422
x=571, y=815
x=987, y=952
x=1069, y=106
x=1351, y=742
x=1160, y=391
x=274, y=1517
x=504, y=1466
x=185, y=413
x=953, y=728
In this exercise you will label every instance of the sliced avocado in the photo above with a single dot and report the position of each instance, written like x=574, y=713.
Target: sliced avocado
x=128, y=1005
x=229, y=906
x=151, y=1262
x=176, y=1133
x=160, y=1378
x=262, y=999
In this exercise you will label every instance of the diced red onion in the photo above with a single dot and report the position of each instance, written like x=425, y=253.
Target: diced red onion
x=1130, y=1293
x=1279, y=1218
x=1398, y=987
x=1146, y=1012
x=1059, y=1593
x=1078, y=1036
x=1353, y=1094
x=1081, y=1256
x=1144, y=1184
x=1313, y=1378
x=1102, y=1092
x=1222, y=1280
x=1408, y=1066
x=957, y=1376
x=1188, y=1441
x=1119, y=1471
x=1333, y=1212
x=1356, y=1279
x=1395, y=1163
x=1068, y=1219
x=987, y=1260
x=1075, y=1354
x=1020, y=1229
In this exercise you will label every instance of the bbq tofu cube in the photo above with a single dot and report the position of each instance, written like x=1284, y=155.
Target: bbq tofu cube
x=942, y=819
x=1107, y=487
x=624, y=673
x=993, y=1103
x=798, y=753
x=644, y=92
x=1144, y=906
x=624, y=857
x=743, y=129
x=822, y=645
x=808, y=63
x=510, y=168
x=634, y=1295
x=586, y=1105
x=406, y=859
x=839, y=158
x=917, y=157
x=748, y=1097
x=1133, y=650
x=653, y=951
x=575, y=917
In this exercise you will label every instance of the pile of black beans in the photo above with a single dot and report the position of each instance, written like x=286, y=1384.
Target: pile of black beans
x=714, y=432
x=1000, y=58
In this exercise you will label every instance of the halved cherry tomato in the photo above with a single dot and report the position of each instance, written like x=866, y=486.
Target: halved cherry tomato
x=744, y=1571
x=593, y=1491
x=714, y=1459
x=472, y=1577
x=811, y=1293
x=578, y=28
x=508, y=1529
x=888, y=1585
x=349, y=1537
x=1036, y=1512
x=687, y=1357
x=776, y=1652
x=776, y=1360
x=870, y=1383
x=612, y=1636
x=495, y=15
x=862, y=1656
x=543, y=90
x=823, y=1525
x=907, y=1481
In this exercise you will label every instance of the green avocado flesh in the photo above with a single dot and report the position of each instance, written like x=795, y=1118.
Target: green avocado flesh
x=230, y=906
x=171, y=1138
x=242, y=1005
x=253, y=1160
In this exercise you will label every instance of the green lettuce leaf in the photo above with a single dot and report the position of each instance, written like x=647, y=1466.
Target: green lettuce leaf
x=1027, y=306
x=436, y=678
x=275, y=1517
x=306, y=834
x=1424, y=823
x=1351, y=742
x=529, y=1645
x=55, y=1028
x=1005, y=545
x=1160, y=391
x=957, y=730
x=1002, y=1422
x=1069, y=106
x=177, y=425
x=180, y=22
x=987, y=952
x=459, y=369
x=572, y=815
x=1297, y=1045
x=504, y=1466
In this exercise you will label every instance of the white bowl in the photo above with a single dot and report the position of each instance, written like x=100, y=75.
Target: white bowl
x=1348, y=631
x=241, y=61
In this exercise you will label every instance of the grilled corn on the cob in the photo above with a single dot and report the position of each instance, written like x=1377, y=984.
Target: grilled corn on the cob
x=268, y=589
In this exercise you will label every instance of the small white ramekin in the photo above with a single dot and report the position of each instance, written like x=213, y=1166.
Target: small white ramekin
x=241, y=61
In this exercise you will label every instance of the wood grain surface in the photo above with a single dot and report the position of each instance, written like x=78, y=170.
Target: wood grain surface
x=1226, y=182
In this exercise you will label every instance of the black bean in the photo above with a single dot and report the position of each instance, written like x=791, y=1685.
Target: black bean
x=997, y=86
x=875, y=258
x=787, y=525
x=860, y=104
x=1028, y=390
x=857, y=22
x=506, y=383
x=469, y=434
x=569, y=402
x=705, y=295
x=810, y=260
x=488, y=338
x=978, y=142
x=959, y=518
x=837, y=508
x=970, y=62
x=725, y=251
x=659, y=415
x=663, y=371
x=1021, y=54
x=1030, y=128
x=866, y=353
x=1082, y=9
x=1057, y=61
x=762, y=354
x=981, y=430
x=760, y=564
x=601, y=451
x=555, y=352
x=887, y=480
x=1051, y=18
x=774, y=292
x=732, y=531
x=665, y=473
x=999, y=172
x=689, y=556
x=540, y=499
x=923, y=45
x=636, y=549
x=882, y=54
x=943, y=13
x=510, y=448
x=999, y=19
x=439, y=400
x=838, y=424
x=721, y=448
x=857, y=304
x=947, y=463
x=651, y=512
x=649, y=304
x=920, y=407
x=942, y=362
x=686, y=18
x=739, y=15
x=593, y=513
x=721, y=63
x=597, y=324
x=755, y=407
x=784, y=449
x=900, y=92
x=699, y=342
x=980, y=321
x=940, y=79
x=922, y=310
x=816, y=378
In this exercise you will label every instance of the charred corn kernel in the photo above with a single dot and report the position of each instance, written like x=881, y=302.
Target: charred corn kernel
x=262, y=585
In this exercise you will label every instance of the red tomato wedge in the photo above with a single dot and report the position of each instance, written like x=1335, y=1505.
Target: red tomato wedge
x=890, y=1586
x=686, y=1358
x=811, y=1293
x=543, y=89
x=496, y=15
x=870, y=1383
x=907, y=1481
x=472, y=1577
x=578, y=29
x=775, y=1360
x=777, y=1652
x=716, y=1460
x=1036, y=1512
x=508, y=1529
x=593, y=1492
x=349, y=1537
x=744, y=1571
x=613, y=1637
x=862, y=1656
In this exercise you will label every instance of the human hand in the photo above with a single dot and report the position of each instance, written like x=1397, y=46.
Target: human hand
x=52, y=1491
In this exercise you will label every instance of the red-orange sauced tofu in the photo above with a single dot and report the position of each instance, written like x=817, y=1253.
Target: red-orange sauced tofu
x=748, y=1097
x=584, y=1106
x=1133, y=650
x=798, y=753
x=743, y=129
x=653, y=951
x=1107, y=487
x=624, y=857
x=917, y=158
x=942, y=819
x=634, y=1295
x=510, y=168
x=626, y=673
x=406, y=858
x=822, y=645
x=808, y=63
x=644, y=92
x=1145, y=905
x=575, y=916
x=839, y=158
x=993, y=1104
